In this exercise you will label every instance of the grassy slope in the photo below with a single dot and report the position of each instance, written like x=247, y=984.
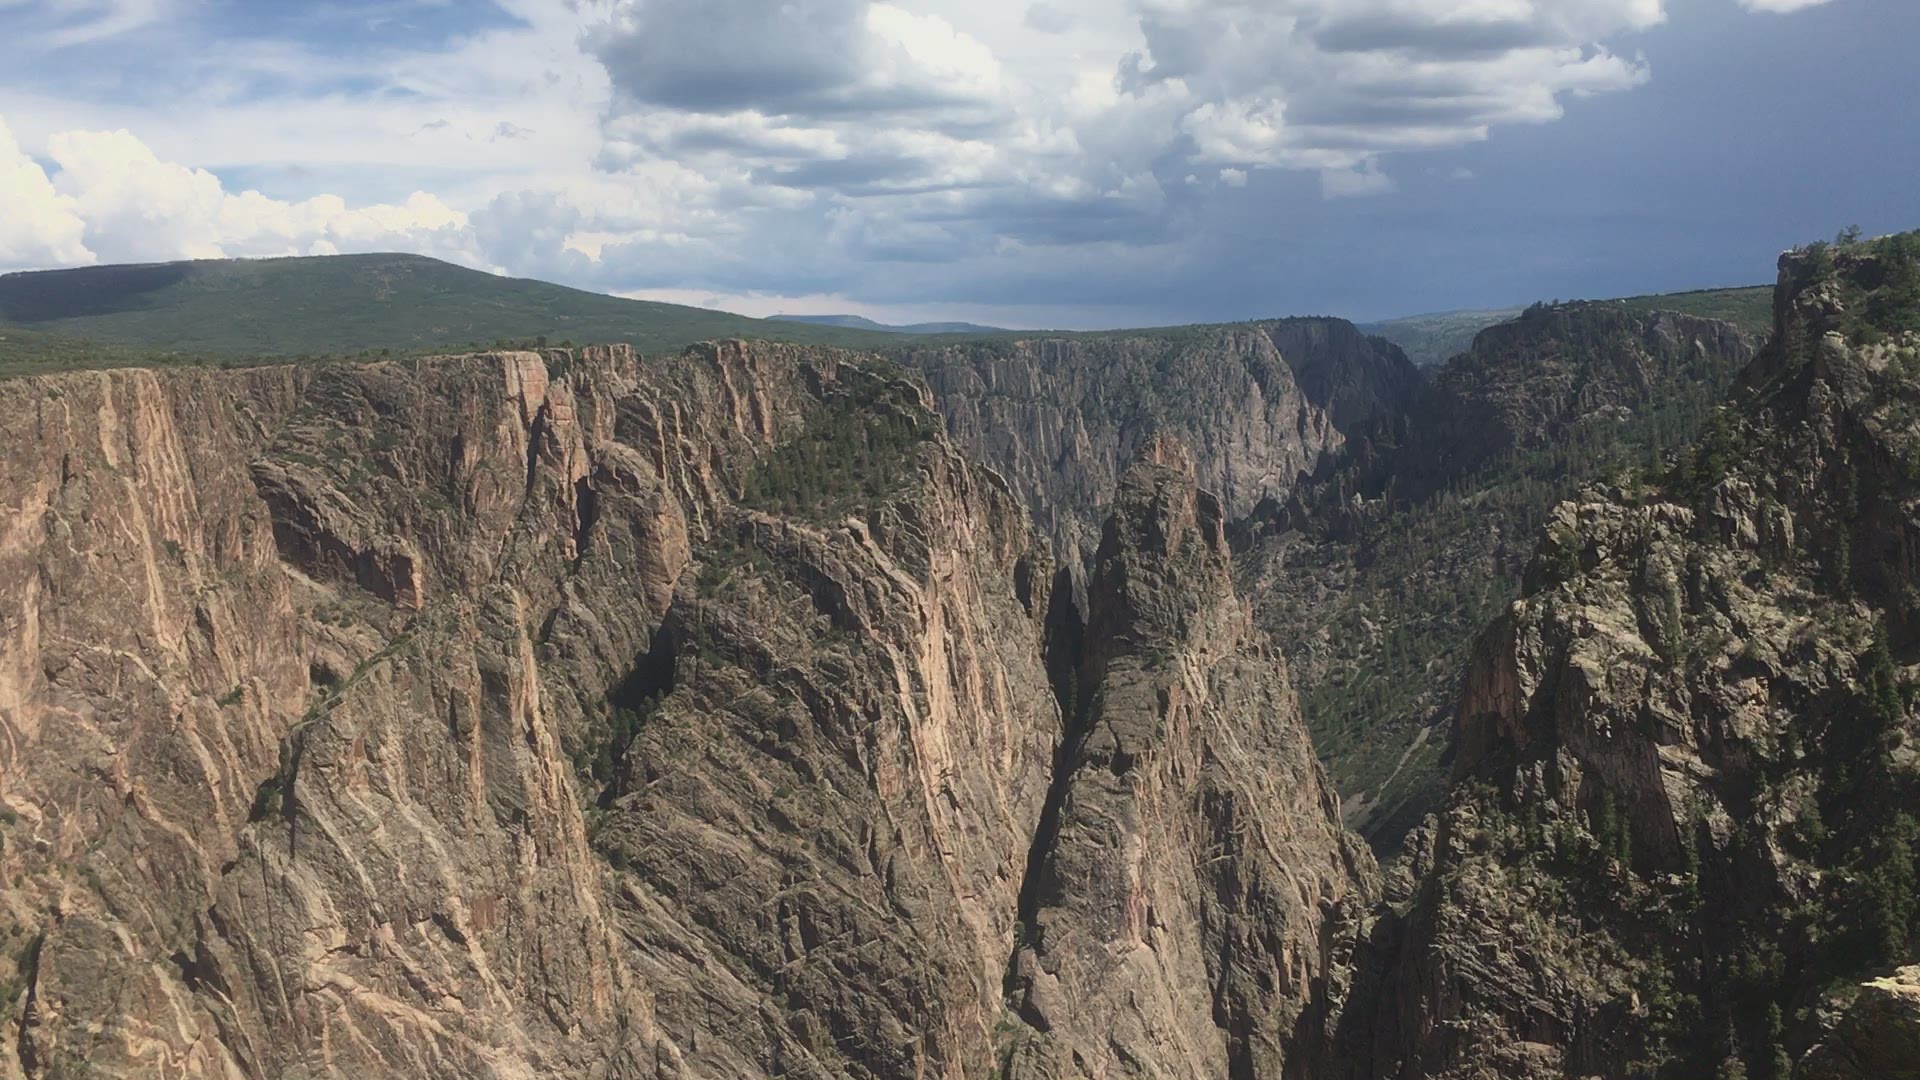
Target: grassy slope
x=349, y=304
x=858, y=322
x=343, y=305
x=31, y=352
x=275, y=310
x=1750, y=308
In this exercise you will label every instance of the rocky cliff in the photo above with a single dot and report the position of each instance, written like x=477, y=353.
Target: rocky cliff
x=525, y=714
x=1678, y=834
x=1262, y=405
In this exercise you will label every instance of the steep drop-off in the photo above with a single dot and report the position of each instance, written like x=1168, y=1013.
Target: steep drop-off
x=569, y=714
x=1376, y=578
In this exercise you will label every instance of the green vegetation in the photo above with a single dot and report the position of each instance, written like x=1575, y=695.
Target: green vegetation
x=1758, y=962
x=338, y=305
x=856, y=322
x=854, y=452
x=34, y=352
x=1746, y=963
x=611, y=733
x=277, y=310
x=1879, y=282
x=1749, y=308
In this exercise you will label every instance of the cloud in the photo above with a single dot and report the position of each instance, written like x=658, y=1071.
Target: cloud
x=851, y=101
x=41, y=226
x=1048, y=18
x=812, y=62
x=86, y=21
x=1315, y=84
x=110, y=198
x=1355, y=183
x=965, y=148
x=763, y=146
x=1780, y=7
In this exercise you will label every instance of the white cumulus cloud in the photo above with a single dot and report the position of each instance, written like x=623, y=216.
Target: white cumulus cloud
x=40, y=226
x=110, y=198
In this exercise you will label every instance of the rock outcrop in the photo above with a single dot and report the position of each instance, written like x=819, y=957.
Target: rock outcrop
x=1879, y=1036
x=1190, y=879
x=1553, y=370
x=571, y=714
x=1684, y=757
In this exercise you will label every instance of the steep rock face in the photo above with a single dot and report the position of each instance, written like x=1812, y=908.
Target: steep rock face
x=1683, y=757
x=1262, y=405
x=1188, y=880
x=237, y=843
x=311, y=676
x=1356, y=378
x=821, y=824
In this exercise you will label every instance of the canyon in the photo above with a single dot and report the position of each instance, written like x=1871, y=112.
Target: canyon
x=984, y=709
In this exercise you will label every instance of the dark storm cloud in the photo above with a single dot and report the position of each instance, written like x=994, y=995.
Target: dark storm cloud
x=722, y=57
x=1423, y=37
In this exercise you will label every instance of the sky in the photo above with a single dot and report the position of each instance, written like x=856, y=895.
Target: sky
x=1028, y=163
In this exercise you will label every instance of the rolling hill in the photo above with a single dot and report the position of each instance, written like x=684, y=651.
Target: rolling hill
x=232, y=310
x=346, y=304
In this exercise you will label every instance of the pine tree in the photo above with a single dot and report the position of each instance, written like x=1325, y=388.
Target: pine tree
x=1888, y=890
x=1779, y=1065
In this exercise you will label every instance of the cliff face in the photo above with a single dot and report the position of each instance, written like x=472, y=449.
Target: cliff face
x=1190, y=878
x=1261, y=405
x=1677, y=822
x=1355, y=378
x=841, y=748
x=1556, y=368
x=284, y=792
x=569, y=714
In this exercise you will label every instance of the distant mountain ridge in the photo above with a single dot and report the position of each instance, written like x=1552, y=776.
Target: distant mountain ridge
x=861, y=322
x=232, y=310
x=1436, y=337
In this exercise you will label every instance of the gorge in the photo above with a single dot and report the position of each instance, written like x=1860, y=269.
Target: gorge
x=1231, y=701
